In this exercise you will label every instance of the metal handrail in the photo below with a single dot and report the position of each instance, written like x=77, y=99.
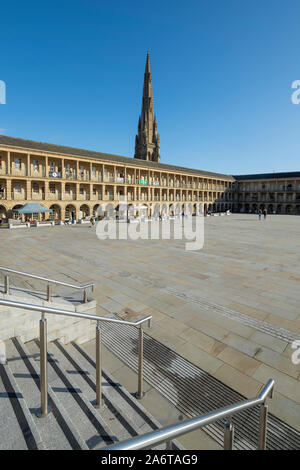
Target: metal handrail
x=49, y=281
x=169, y=433
x=43, y=346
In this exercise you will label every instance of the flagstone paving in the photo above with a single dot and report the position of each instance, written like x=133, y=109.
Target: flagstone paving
x=247, y=266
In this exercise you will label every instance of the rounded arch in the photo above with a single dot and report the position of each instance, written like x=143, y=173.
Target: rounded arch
x=279, y=209
x=270, y=208
x=171, y=209
x=289, y=209
x=3, y=212
x=70, y=212
x=56, y=211
x=85, y=210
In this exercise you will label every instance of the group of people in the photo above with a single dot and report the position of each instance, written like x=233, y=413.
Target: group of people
x=264, y=213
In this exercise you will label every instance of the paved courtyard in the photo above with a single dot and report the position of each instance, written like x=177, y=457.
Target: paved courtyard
x=231, y=308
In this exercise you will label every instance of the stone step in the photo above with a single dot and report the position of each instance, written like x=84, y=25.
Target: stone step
x=113, y=408
x=132, y=410
x=92, y=427
x=17, y=430
x=56, y=430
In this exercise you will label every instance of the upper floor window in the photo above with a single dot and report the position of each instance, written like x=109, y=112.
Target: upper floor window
x=35, y=165
x=94, y=171
x=18, y=164
x=35, y=188
x=52, y=166
x=17, y=187
x=52, y=188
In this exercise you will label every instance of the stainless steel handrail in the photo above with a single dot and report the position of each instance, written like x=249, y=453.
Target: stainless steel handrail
x=49, y=281
x=169, y=433
x=43, y=346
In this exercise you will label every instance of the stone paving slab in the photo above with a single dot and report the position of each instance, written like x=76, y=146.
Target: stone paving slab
x=250, y=267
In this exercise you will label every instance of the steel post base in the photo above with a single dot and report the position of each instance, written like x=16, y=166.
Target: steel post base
x=138, y=396
x=39, y=413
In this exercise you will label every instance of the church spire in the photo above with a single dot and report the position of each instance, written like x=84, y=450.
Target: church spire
x=147, y=139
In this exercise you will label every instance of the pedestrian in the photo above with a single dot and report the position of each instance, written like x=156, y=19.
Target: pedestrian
x=265, y=213
x=92, y=221
x=259, y=214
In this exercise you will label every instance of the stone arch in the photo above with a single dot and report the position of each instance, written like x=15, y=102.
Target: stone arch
x=171, y=209
x=270, y=208
x=289, y=209
x=3, y=212
x=71, y=212
x=96, y=210
x=279, y=209
x=56, y=214
x=84, y=208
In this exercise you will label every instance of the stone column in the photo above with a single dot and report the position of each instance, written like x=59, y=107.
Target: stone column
x=8, y=164
x=47, y=197
x=46, y=167
x=8, y=189
x=28, y=165
x=28, y=190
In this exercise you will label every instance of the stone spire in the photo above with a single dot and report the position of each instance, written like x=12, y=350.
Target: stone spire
x=147, y=139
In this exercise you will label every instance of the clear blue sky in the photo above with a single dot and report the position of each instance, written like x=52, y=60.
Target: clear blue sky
x=222, y=72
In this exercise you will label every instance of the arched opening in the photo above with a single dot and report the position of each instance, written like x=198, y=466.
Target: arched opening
x=279, y=209
x=84, y=211
x=3, y=213
x=70, y=212
x=288, y=209
x=56, y=214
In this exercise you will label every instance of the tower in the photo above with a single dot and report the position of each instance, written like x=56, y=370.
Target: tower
x=147, y=139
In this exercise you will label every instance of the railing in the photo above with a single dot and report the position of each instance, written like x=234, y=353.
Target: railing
x=49, y=281
x=169, y=433
x=43, y=347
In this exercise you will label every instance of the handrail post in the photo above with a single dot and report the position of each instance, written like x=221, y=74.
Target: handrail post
x=169, y=445
x=84, y=296
x=263, y=421
x=48, y=293
x=98, y=366
x=6, y=284
x=140, y=392
x=43, y=367
x=228, y=435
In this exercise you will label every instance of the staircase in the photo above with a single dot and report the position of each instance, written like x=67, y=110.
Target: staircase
x=73, y=421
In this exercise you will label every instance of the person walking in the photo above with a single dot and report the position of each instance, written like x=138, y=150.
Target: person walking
x=259, y=214
x=265, y=213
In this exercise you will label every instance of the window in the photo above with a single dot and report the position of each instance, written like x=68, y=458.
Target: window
x=94, y=171
x=18, y=164
x=81, y=191
x=52, y=188
x=52, y=166
x=17, y=188
x=35, y=188
x=35, y=165
x=67, y=189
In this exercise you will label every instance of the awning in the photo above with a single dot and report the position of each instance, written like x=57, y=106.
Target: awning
x=33, y=208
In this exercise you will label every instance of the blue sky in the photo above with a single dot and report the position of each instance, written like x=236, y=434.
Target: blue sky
x=222, y=72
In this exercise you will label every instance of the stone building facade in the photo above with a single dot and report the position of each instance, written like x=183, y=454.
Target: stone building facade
x=75, y=182
x=67, y=180
x=276, y=192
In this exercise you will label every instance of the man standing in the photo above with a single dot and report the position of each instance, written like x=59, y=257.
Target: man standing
x=265, y=213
